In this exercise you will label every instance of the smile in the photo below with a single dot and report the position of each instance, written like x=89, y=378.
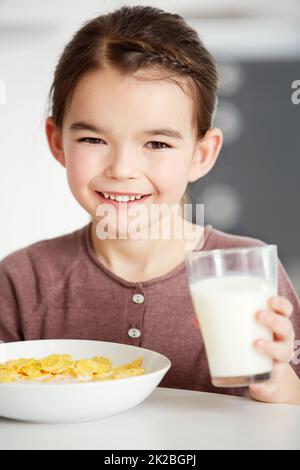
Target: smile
x=117, y=199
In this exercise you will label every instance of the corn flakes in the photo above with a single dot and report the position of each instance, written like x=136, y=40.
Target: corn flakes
x=63, y=368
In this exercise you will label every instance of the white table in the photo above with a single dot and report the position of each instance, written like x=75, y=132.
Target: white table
x=169, y=419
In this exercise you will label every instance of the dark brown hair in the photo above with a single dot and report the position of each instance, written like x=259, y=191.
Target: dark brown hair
x=138, y=38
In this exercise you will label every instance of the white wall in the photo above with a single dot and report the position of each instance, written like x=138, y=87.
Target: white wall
x=35, y=201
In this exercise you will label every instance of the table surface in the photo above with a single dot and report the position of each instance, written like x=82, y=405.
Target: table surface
x=169, y=419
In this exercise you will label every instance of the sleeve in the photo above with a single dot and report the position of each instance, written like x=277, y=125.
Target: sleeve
x=10, y=324
x=286, y=289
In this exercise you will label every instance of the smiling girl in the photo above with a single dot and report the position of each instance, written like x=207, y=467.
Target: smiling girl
x=133, y=100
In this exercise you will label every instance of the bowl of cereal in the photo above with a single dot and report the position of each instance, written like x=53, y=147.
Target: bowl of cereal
x=65, y=381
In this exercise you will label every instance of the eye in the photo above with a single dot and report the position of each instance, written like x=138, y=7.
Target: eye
x=89, y=140
x=159, y=144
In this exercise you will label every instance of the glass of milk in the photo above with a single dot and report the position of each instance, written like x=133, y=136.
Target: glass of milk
x=228, y=287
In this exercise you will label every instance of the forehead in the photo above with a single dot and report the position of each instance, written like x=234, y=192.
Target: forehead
x=144, y=99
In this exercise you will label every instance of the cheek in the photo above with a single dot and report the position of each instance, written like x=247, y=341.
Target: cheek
x=171, y=176
x=81, y=169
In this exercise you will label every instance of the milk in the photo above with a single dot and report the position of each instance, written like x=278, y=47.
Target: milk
x=226, y=308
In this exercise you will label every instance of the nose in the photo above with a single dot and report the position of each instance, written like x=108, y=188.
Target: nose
x=122, y=165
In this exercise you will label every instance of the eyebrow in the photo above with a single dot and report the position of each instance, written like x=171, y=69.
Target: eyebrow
x=86, y=126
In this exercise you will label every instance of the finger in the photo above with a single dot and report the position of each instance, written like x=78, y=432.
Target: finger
x=279, y=325
x=264, y=391
x=281, y=305
x=279, y=351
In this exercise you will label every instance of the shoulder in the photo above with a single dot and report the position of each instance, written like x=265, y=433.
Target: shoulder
x=217, y=239
x=45, y=256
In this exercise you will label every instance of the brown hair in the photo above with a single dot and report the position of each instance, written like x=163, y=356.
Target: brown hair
x=132, y=39
x=138, y=38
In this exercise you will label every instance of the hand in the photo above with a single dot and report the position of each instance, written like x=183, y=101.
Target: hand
x=281, y=349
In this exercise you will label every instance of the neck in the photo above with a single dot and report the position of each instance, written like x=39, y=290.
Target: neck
x=146, y=255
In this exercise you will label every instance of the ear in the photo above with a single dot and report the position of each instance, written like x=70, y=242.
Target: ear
x=54, y=137
x=206, y=153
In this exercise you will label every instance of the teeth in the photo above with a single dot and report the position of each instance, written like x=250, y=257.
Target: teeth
x=121, y=198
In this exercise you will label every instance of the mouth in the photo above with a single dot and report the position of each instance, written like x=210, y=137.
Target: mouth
x=123, y=200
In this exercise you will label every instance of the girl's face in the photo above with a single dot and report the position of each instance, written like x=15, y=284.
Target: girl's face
x=125, y=135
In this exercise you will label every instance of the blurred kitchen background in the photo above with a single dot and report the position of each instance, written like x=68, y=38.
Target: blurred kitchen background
x=253, y=189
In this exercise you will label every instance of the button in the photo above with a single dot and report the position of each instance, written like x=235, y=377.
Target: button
x=138, y=298
x=134, y=333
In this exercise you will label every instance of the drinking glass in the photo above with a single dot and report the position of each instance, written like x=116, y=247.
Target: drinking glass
x=228, y=287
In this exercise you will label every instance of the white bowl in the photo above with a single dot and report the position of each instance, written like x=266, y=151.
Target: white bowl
x=75, y=402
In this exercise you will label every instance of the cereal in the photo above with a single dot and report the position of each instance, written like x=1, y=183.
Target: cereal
x=62, y=368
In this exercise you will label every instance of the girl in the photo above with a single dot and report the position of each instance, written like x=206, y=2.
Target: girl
x=133, y=99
